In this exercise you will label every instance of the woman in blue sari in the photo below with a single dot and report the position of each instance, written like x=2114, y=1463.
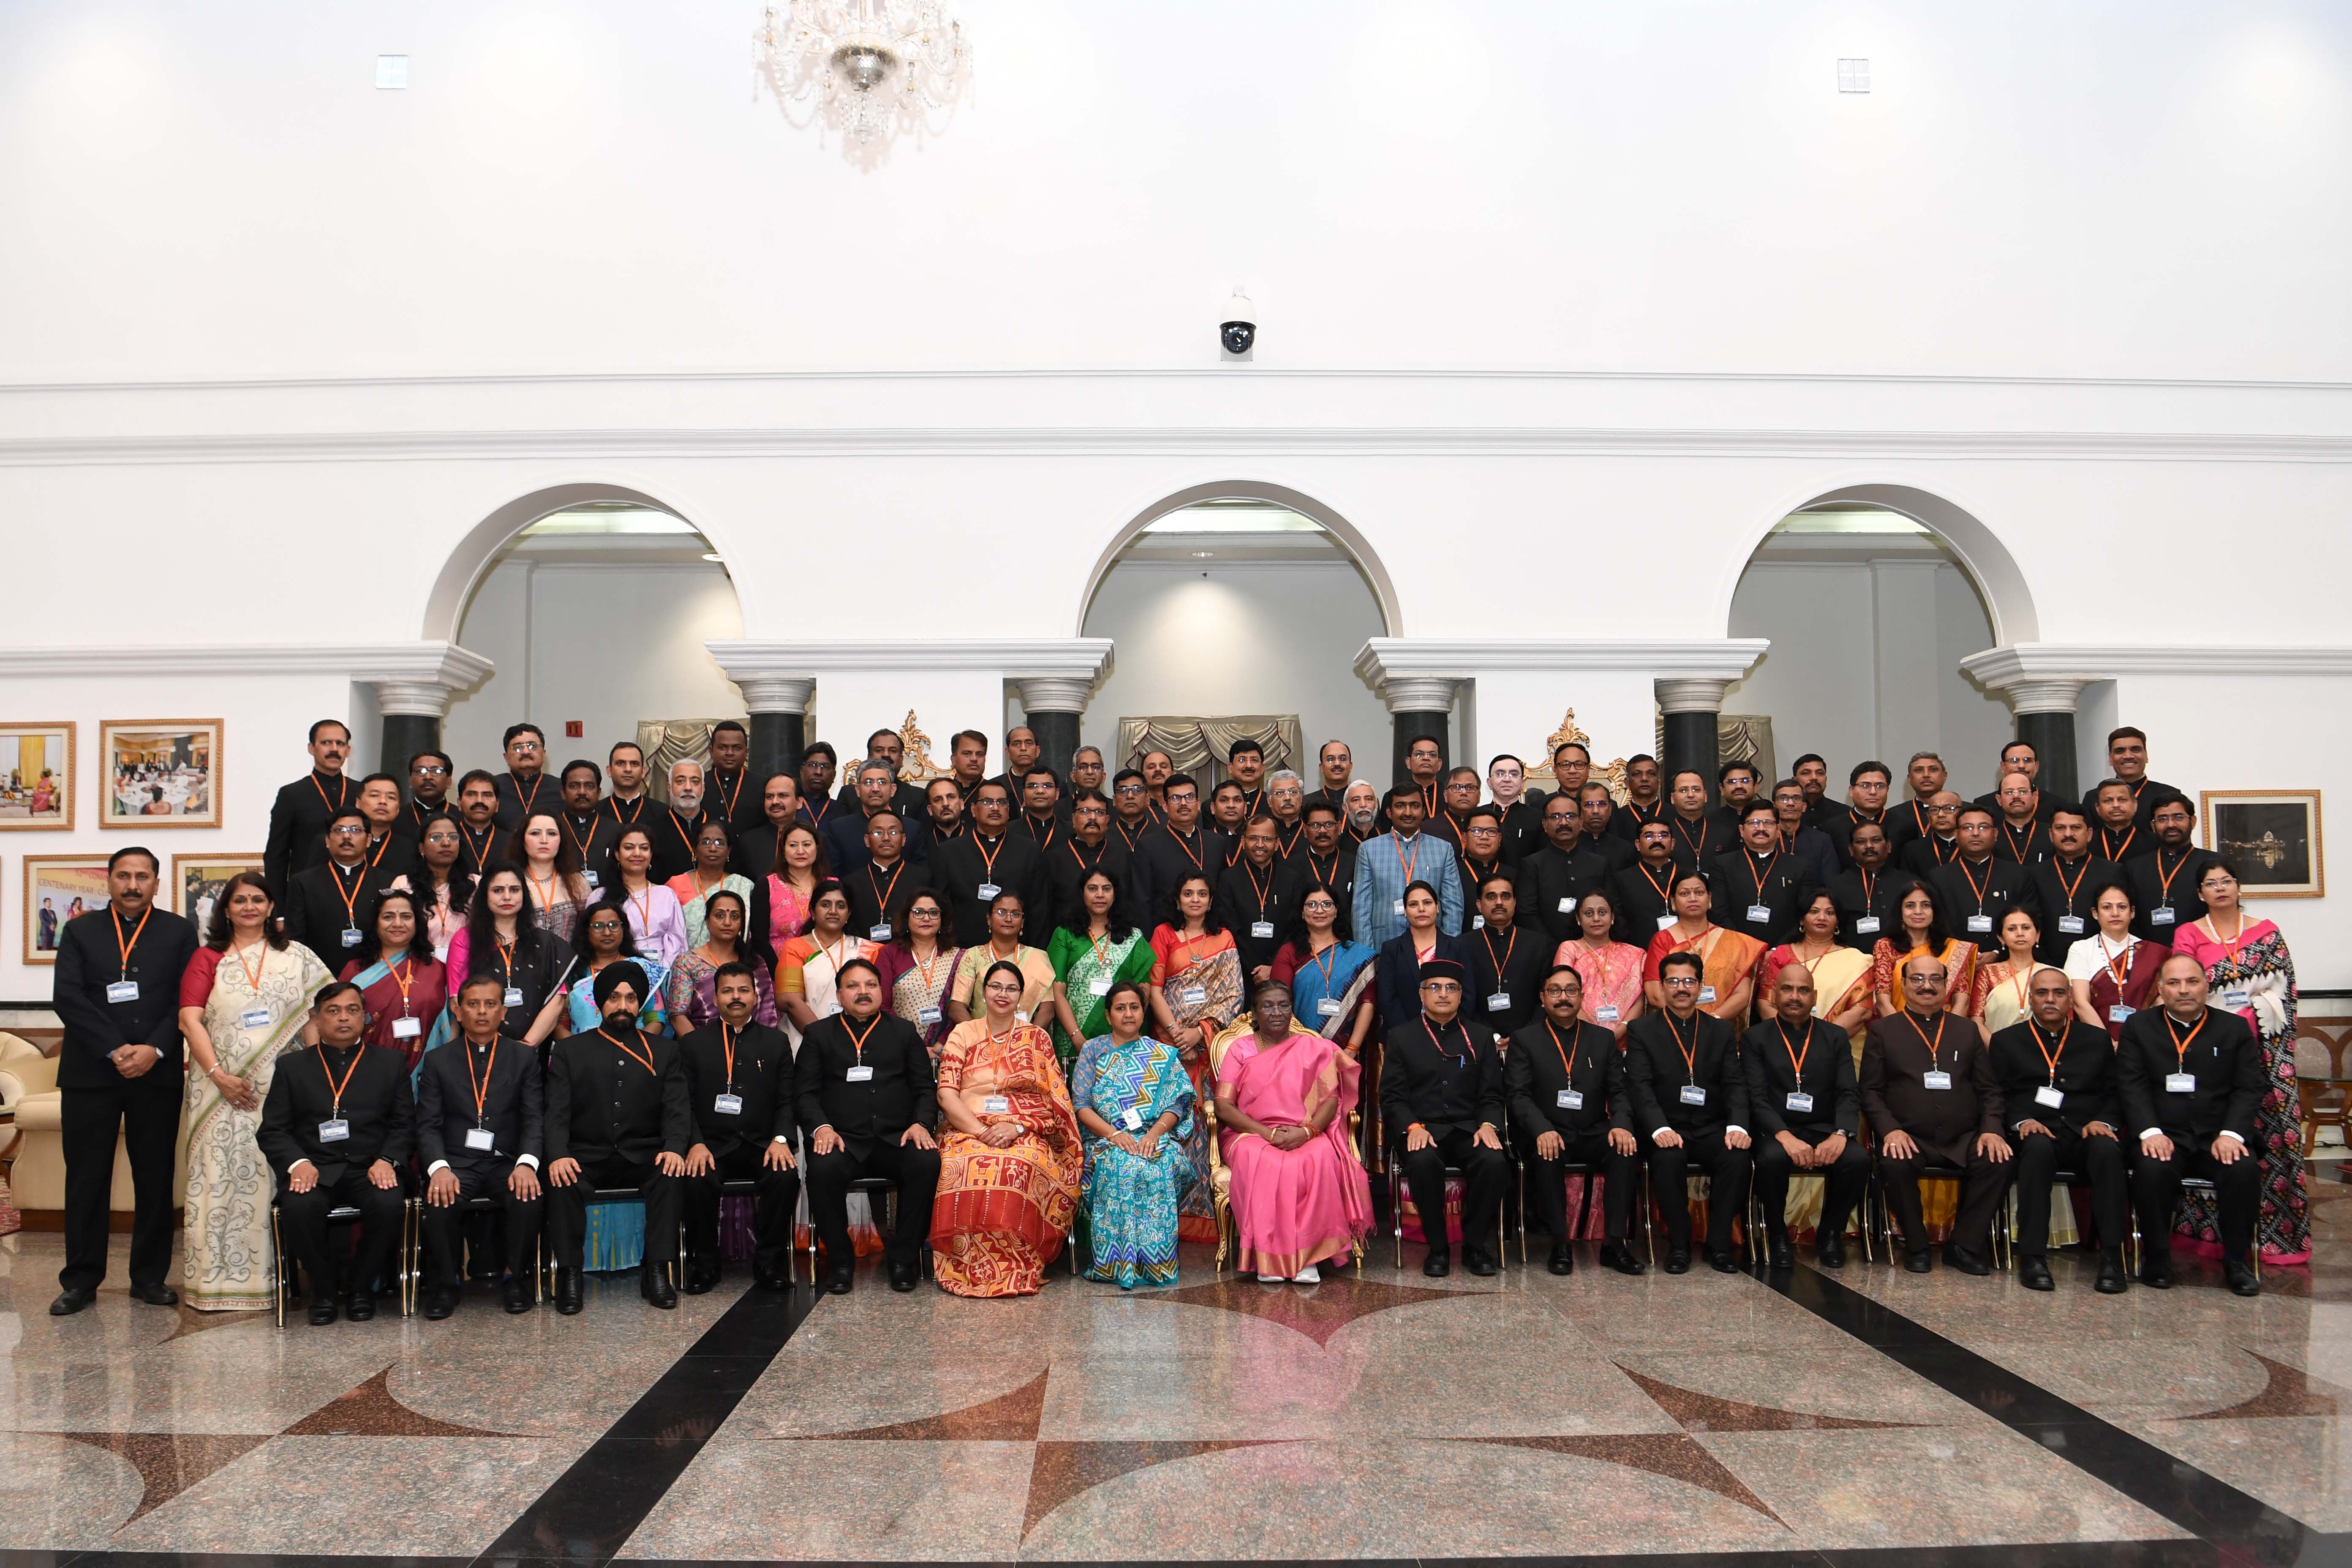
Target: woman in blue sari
x=1134, y=1100
x=1330, y=981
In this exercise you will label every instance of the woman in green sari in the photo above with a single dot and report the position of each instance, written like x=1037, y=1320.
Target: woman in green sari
x=1088, y=962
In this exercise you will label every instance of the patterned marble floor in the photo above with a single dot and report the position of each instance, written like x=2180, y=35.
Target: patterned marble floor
x=1380, y=1416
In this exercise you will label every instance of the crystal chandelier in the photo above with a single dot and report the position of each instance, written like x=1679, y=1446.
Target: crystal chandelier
x=867, y=66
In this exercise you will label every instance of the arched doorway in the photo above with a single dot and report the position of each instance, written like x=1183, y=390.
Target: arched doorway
x=1239, y=601
x=594, y=605
x=1870, y=597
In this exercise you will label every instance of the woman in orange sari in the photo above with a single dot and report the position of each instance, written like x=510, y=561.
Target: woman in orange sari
x=1727, y=958
x=1010, y=1158
x=1197, y=988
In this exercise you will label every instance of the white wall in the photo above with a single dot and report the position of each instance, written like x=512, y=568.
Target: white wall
x=1275, y=637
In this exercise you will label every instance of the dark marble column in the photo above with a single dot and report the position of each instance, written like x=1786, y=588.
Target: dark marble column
x=405, y=735
x=1419, y=705
x=1691, y=708
x=1052, y=706
x=1411, y=725
x=778, y=729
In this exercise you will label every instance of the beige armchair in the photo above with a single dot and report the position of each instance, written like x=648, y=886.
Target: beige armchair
x=36, y=1177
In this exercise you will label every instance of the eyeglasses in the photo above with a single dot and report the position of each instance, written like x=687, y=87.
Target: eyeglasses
x=428, y=771
x=345, y=830
x=522, y=746
x=1679, y=980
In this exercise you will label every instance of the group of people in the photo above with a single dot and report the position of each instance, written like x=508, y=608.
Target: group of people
x=1033, y=1003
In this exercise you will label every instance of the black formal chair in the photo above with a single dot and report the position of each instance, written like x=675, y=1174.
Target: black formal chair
x=1453, y=1173
x=339, y=1219
x=888, y=1187
x=1552, y=1171
x=1650, y=1206
x=1758, y=1248
x=479, y=1204
x=744, y=1187
x=1876, y=1194
x=2191, y=1184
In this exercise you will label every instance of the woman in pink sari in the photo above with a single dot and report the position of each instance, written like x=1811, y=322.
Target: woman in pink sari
x=1299, y=1192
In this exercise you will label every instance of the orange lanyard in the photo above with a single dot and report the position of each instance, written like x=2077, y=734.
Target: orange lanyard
x=505, y=961
x=1935, y=1045
x=1408, y=863
x=1601, y=957
x=1796, y=1056
x=856, y=1040
x=2049, y=1057
x=1978, y=891
x=577, y=841
x=546, y=893
x=645, y=902
x=1469, y=1051
x=1664, y=896
x=2023, y=980
x=351, y=899
x=636, y=810
x=1868, y=907
x=1502, y=965
x=988, y=857
x=1102, y=952
x=1762, y=875
x=2229, y=944
x=2082, y=871
x=1046, y=842
x=646, y=1061
x=837, y=956
x=1323, y=962
x=2107, y=842
x=2118, y=976
x=481, y=852
x=1684, y=834
x=529, y=804
x=402, y=973
x=1690, y=1052
x=343, y=792
x=2179, y=1046
x=1567, y=1053
x=1285, y=850
x=482, y=1085
x=727, y=1040
x=252, y=972
x=882, y=894
x=2164, y=878
x=737, y=793
x=925, y=964
x=1188, y=848
x=1261, y=893
x=334, y=1086
x=2027, y=844
x=136, y=932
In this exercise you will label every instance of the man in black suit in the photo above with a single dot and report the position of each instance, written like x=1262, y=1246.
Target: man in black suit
x=1868, y=892
x=1643, y=892
x=1441, y=1100
x=739, y=1081
x=2067, y=884
x=1167, y=852
x=1074, y=855
x=869, y=1101
x=845, y=834
x=2058, y=1090
x=2192, y=1084
x=2165, y=885
x=880, y=889
x=480, y=1121
x=1980, y=890
x=1554, y=879
x=337, y=1126
x=1761, y=889
x=1565, y=1080
x=1325, y=855
x=1807, y=1104
x=1506, y=963
x=330, y=908
x=119, y=1072
x=299, y=816
x=1690, y=1106
x=1929, y=1088
x=617, y=1116
x=734, y=796
x=969, y=872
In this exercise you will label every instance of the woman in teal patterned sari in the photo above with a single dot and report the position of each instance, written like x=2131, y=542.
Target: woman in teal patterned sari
x=1135, y=1107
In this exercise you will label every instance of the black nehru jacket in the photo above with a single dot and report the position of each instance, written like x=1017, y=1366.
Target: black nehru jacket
x=1474, y=876
x=1924, y=857
x=416, y=816
x=2084, y=1076
x=1162, y=856
x=326, y=904
x=1778, y=1093
x=843, y=837
x=1289, y=838
x=1657, y=1072
x=1864, y=897
x=1046, y=833
x=518, y=798
x=903, y=1091
x=2168, y=879
x=1617, y=852
x=1009, y=863
x=1699, y=844
x=739, y=798
x=603, y=1102
x=1336, y=871
x=1551, y=882
x=1642, y=908
x=89, y=963
x=2122, y=847
x=1571, y=1082
x=2043, y=806
x=1945, y=1123
x=593, y=836
x=1068, y=864
x=2065, y=894
x=1840, y=824
x=673, y=836
x=298, y=825
x=1905, y=821
x=2148, y=797
x=760, y=1074
x=1506, y=966
x=1251, y=903
x=532, y=967
x=2221, y=1054
x=369, y=1091
x=1628, y=820
x=1523, y=831
x=2027, y=849
x=1448, y=1080
x=880, y=896
x=1976, y=897
x=908, y=800
x=477, y=852
x=1778, y=883
x=513, y=1105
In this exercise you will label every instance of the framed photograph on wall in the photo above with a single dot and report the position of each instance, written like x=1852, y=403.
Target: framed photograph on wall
x=36, y=775
x=198, y=881
x=57, y=889
x=159, y=773
x=2271, y=835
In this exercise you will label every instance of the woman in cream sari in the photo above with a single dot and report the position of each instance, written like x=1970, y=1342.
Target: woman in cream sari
x=244, y=998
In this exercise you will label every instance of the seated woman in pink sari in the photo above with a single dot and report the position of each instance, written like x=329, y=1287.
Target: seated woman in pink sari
x=1299, y=1192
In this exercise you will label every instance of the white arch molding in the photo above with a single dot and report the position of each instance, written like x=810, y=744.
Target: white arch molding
x=1366, y=559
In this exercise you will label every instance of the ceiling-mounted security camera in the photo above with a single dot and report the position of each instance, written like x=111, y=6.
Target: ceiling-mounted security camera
x=1237, y=333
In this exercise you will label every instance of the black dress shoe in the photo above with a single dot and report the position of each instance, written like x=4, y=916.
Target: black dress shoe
x=68, y=1302
x=2155, y=1271
x=1678, y=1263
x=322, y=1311
x=839, y=1282
x=361, y=1307
x=2240, y=1277
x=515, y=1294
x=1831, y=1251
x=1966, y=1262
x=1564, y=1259
x=569, y=1291
x=2112, y=1280
x=155, y=1295
x=770, y=1281
x=902, y=1277
x=1620, y=1257
x=1474, y=1258
x=439, y=1302
x=701, y=1276
x=653, y=1284
x=1780, y=1255
x=1918, y=1263
x=1437, y=1264
x=2034, y=1273
x=1723, y=1261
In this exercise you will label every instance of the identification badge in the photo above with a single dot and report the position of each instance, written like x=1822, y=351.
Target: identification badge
x=480, y=1140
x=1020, y=1012
x=1865, y=925
x=879, y=933
x=2051, y=1095
x=408, y=1028
x=1192, y=995
x=1980, y=924
x=1706, y=994
x=997, y=1105
x=1606, y=1012
x=2070, y=925
x=1571, y=1100
x=2160, y=916
x=927, y=1017
x=1328, y=1008
x=1500, y=1002
x=590, y=879
x=351, y=936
x=727, y=1104
x=123, y=991
x=1134, y=1119
x=1761, y=913
x=1936, y=1079
x=2180, y=1083
x=2237, y=997
x=514, y=996
x=1694, y=1095
x=1477, y=922
x=1568, y=907
x=1098, y=986
x=988, y=890
x=1799, y=1101
x=1262, y=930
x=1666, y=920
x=2119, y=1014
x=1399, y=907
x=334, y=1131
x=254, y=1018
x=859, y=1074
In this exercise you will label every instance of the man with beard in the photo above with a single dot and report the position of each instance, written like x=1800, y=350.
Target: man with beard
x=673, y=828
x=2164, y=885
x=1360, y=812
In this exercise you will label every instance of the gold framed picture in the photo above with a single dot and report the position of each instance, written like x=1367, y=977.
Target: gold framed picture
x=198, y=881
x=2271, y=836
x=57, y=889
x=36, y=775
x=159, y=773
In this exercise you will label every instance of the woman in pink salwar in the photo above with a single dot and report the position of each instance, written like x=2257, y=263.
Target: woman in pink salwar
x=1299, y=1192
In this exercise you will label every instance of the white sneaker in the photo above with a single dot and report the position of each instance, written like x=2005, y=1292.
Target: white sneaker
x=1272, y=1280
x=1310, y=1275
